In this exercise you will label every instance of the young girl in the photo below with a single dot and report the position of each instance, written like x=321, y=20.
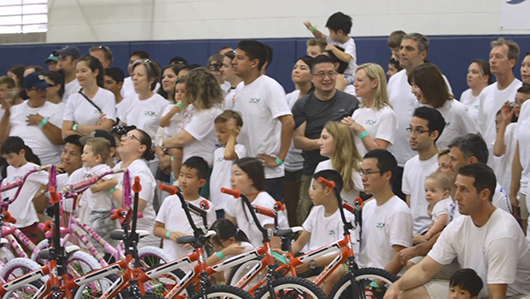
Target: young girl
x=228, y=242
x=21, y=159
x=437, y=193
x=337, y=142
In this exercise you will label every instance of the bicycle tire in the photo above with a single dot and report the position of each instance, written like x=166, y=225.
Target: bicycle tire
x=17, y=267
x=104, y=283
x=362, y=277
x=221, y=291
x=8, y=255
x=283, y=288
x=90, y=263
x=237, y=272
x=157, y=255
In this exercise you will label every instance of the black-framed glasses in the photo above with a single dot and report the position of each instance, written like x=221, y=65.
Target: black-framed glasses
x=368, y=172
x=417, y=131
x=330, y=74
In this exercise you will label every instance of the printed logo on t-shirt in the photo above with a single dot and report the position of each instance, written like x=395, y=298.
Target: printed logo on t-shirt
x=380, y=225
x=370, y=122
x=447, y=124
x=18, y=177
x=332, y=232
x=254, y=100
x=149, y=113
x=219, y=160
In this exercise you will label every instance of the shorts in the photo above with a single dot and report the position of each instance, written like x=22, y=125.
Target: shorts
x=100, y=222
x=523, y=206
x=31, y=232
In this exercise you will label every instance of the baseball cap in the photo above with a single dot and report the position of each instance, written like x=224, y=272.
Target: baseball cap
x=51, y=58
x=36, y=80
x=101, y=134
x=68, y=51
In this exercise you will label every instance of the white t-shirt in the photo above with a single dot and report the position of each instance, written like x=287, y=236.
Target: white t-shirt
x=501, y=199
x=458, y=122
x=504, y=174
x=380, y=124
x=404, y=103
x=174, y=219
x=442, y=207
x=175, y=123
x=146, y=114
x=68, y=203
x=101, y=201
x=229, y=99
x=383, y=227
x=201, y=127
x=22, y=208
x=261, y=103
x=522, y=135
x=348, y=197
x=484, y=249
x=139, y=168
x=245, y=222
x=326, y=230
x=122, y=108
x=80, y=111
x=221, y=175
x=491, y=101
x=33, y=136
x=414, y=175
x=294, y=160
x=471, y=102
x=127, y=90
x=349, y=47
x=70, y=89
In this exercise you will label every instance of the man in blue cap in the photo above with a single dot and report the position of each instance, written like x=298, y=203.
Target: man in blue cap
x=52, y=62
x=68, y=58
x=37, y=121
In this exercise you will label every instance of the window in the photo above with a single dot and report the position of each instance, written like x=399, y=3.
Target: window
x=23, y=16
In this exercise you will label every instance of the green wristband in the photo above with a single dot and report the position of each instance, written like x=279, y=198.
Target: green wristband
x=43, y=122
x=312, y=29
x=112, y=190
x=220, y=255
x=168, y=233
x=279, y=161
x=363, y=134
x=75, y=127
x=179, y=105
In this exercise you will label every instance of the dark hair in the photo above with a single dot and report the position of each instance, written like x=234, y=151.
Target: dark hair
x=435, y=120
x=484, y=177
x=524, y=89
x=467, y=279
x=145, y=139
x=471, y=145
x=189, y=67
x=178, y=61
x=140, y=53
x=37, y=68
x=395, y=63
x=385, y=161
x=485, y=66
x=432, y=84
x=229, y=114
x=106, y=50
x=321, y=59
x=254, y=50
x=94, y=64
x=225, y=230
x=331, y=175
x=116, y=74
x=15, y=144
x=342, y=64
x=270, y=51
x=199, y=164
x=230, y=54
x=394, y=40
x=253, y=168
x=339, y=21
x=310, y=61
x=18, y=70
x=56, y=78
x=74, y=139
x=175, y=68
x=422, y=42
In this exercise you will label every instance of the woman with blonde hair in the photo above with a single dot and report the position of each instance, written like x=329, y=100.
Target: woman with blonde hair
x=374, y=123
x=336, y=143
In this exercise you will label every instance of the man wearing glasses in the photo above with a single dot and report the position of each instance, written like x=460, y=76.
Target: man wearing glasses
x=311, y=113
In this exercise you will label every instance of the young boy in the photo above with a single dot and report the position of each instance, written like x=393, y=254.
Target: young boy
x=227, y=127
x=171, y=221
x=437, y=193
x=96, y=203
x=394, y=43
x=465, y=284
x=393, y=67
x=114, y=82
x=315, y=47
x=323, y=226
x=339, y=26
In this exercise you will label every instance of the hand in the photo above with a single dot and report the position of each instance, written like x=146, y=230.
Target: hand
x=34, y=119
x=350, y=122
x=507, y=113
x=96, y=187
x=267, y=160
x=329, y=47
x=417, y=239
x=307, y=25
x=232, y=127
x=302, y=268
x=406, y=254
x=174, y=235
x=340, y=82
x=102, y=118
x=233, y=249
x=60, y=168
x=164, y=162
x=279, y=251
x=428, y=236
x=176, y=109
x=393, y=292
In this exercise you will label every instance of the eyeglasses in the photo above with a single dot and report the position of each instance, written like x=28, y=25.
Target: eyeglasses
x=417, y=131
x=130, y=136
x=322, y=75
x=368, y=172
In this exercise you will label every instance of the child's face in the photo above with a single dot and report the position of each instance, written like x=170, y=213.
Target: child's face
x=240, y=180
x=520, y=98
x=89, y=158
x=395, y=52
x=335, y=36
x=313, y=51
x=189, y=182
x=455, y=292
x=111, y=85
x=221, y=131
x=433, y=191
x=317, y=192
x=180, y=91
x=392, y=70
x=15, y=160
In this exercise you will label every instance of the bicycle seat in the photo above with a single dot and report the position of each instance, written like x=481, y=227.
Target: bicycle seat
x=186, y=240
x=45, y=253
x=118, y=234
x=7, y=230
x=289, y=232
x=4, y=241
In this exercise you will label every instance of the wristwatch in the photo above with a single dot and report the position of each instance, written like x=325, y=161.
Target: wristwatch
x=312, y=264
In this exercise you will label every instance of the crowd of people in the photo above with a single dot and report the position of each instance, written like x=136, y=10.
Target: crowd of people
x=445, y=179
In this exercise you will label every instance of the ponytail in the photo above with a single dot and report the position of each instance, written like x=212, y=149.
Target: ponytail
x=15, y=144
x=30, y=155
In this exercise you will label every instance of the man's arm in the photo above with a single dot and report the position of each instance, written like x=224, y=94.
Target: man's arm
x=287, y=135
x=394, y=265
x=421, y=249
x=515, y=184
x=5, y=127
x=497, y=291
x=414, y=277
x=302, y=142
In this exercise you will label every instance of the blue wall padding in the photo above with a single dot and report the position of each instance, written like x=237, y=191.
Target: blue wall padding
x=451, y=53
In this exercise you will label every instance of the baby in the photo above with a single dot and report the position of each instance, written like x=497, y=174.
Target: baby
x=437, y=194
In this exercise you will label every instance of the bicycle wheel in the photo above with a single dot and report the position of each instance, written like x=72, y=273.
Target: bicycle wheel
x=96, y=288
x=6, y=255
x=26, y=291
x=363, y=277
x=292, y=287
x=17, y=267
x=152, y=256
x=160, y=285
x=239, y=271
x=222, y=291
x=80, y=263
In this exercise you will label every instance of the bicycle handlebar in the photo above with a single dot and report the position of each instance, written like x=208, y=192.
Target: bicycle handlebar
x=8, y=218
x=331, y=185
x=85, y=184
x=20, y=182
